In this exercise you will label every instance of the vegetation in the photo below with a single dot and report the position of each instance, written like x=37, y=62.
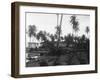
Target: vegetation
x=70, y=49
x=32, y=31
x=87, y=30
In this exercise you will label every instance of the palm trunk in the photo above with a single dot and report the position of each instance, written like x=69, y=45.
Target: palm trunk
x=57, y=26
x=75, y=40
x=30, y=42
x=59, y=31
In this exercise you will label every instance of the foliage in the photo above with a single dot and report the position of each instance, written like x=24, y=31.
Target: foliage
x=32, y=31
x=74, y=23
x=87, y=30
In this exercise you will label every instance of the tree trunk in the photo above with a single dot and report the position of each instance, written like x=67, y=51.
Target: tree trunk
x=30, y=42
x=59, y=32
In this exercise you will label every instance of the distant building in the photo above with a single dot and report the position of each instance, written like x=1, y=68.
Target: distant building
x=33, y=45
x=61, y=44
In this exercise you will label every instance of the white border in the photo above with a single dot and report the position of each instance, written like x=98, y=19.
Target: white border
x=37, y=70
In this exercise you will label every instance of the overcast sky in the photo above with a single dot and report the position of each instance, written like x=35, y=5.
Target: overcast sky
x=48, y=22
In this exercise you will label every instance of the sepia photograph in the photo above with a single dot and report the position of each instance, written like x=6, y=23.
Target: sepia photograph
x=57, y=39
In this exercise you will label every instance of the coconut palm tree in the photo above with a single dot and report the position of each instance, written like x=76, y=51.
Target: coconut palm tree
x=68, y=39
x=41, y=35
x=61, y=38
x=87, y=30
x=75, y=24
x=32, y=31
x=52, y=37
x=58, y=30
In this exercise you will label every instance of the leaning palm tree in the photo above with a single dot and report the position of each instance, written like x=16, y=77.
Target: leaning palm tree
x=87, y=30
x=75, y=25
x=32, y=31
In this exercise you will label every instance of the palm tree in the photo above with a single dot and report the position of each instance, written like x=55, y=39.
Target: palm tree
x=61, y=38
x=32, y=31
x=58, y=30
x=41, y=35
x=74, y=24
x=87, y=30
x=68, y=39
x=52, y=37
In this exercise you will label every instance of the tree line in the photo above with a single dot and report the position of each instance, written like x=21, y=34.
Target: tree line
x=47, y=37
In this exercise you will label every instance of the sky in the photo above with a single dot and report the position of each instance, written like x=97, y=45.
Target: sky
x=48, y=22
